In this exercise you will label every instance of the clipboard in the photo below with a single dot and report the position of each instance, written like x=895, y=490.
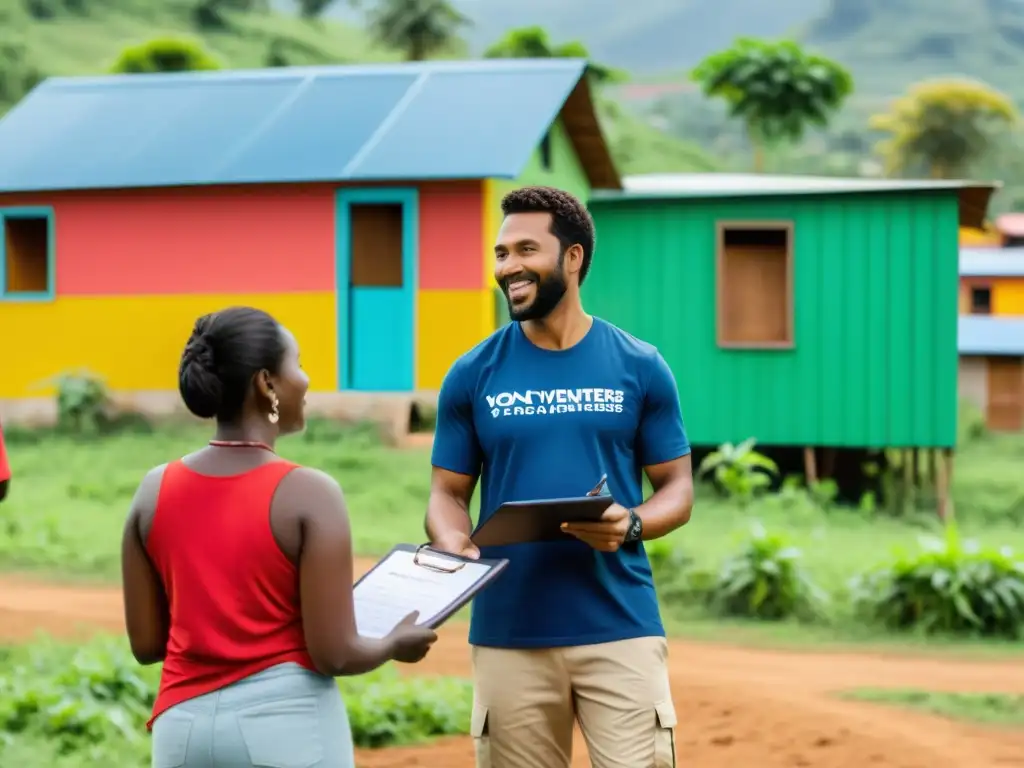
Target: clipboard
x=419, y=578
x=519, y=522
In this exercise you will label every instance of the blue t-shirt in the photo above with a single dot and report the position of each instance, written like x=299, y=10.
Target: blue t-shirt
x=542, y=424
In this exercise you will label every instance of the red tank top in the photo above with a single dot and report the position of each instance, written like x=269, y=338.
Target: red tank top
x=233, y=595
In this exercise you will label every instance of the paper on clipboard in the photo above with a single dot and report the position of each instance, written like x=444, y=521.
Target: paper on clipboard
x=413, y=579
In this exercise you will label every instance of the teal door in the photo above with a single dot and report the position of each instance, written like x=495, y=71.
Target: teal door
x=376, y=282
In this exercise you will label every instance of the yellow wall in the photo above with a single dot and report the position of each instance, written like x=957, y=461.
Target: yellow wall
x=135, y=343
x=1008, y=297
x=973, y=237
x=449, y=323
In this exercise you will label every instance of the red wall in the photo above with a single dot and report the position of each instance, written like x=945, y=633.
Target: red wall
x=240, y=239
x=451, y=236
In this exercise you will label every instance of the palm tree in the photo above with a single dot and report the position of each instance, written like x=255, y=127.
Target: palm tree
x=419, y=28
x=534, y=43
x=941, y=127
x=776, y=88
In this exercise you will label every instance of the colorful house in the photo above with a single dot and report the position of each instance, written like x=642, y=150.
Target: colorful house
x=357, y=204
x=992, y=281
x=806, y=312
x=992, y=369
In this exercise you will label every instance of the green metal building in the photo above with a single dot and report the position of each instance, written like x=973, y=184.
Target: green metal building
x=800, y=311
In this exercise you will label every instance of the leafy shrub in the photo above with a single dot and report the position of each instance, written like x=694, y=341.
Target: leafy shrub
x=385, y=708
x=94, y=701
x=738, y=471
x=948, y=586
x=99, y=694
x=765, y=581
x=164, y=54
x=82, y=401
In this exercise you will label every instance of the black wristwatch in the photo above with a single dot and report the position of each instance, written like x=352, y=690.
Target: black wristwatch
x=635, y=531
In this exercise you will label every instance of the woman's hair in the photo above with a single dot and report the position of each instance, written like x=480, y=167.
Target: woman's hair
x=224, y=352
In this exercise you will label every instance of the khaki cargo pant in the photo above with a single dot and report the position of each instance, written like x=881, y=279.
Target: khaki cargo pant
x=526, y=701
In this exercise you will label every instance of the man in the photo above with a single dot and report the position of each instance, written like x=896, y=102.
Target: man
x=545, y=408
x=5, y=469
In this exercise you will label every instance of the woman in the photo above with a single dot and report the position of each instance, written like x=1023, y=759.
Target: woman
x=220, y=550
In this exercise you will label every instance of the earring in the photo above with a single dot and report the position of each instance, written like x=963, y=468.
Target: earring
x=273, y=416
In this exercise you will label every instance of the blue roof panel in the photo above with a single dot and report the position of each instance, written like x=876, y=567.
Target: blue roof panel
x=517, y=106
x=319, y=132
x=986, y=335
x=410, y=121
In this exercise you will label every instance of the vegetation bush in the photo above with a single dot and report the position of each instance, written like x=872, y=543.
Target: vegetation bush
x=765, y=581
x=948, y=586
x=738, y=471
x=678, y=581
x=93, y=702
x=164, y=54
x=386, y=708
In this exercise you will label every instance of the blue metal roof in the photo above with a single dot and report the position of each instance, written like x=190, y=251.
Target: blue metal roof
x=992, y=262
x=987, y=335
x=436, y=120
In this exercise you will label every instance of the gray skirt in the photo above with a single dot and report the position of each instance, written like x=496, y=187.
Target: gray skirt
x=282, y=717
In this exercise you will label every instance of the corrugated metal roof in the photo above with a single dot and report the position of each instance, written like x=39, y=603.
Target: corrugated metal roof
x=986, y=335
x=436, y=120
x=676, y=185
x=992, y=262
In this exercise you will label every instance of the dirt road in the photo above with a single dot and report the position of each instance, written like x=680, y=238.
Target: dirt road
x=736, y=706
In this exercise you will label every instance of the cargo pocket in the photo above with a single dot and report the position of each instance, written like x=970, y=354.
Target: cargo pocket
x=665, y=735
x=481, y=736
x=171, y=734
x=283, y=734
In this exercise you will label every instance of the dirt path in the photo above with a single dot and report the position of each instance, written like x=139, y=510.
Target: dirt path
x=736, y=706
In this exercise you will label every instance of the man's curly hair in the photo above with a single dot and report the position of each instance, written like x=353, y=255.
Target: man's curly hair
x=570, y=220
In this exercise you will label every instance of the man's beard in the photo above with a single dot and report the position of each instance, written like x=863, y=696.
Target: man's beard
x=550, y=291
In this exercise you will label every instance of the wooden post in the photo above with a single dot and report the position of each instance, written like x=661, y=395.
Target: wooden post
x=933, y=477
x=810, y=466
x=909, y=499
x=944, y=485
x=914, y=458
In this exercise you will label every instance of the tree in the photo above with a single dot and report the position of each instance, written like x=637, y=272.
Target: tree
x=776, y=88
x=534, y=43
x=941, y=127
x=164, y=54
x=419, y=28
x=313, y=9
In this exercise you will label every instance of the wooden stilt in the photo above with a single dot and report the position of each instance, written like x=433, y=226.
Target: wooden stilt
x=944, y=486
x=810, y=466
x=932, y=469
x=914, y=459
x=908, y=480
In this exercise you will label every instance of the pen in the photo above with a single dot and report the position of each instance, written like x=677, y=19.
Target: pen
x=596, y=491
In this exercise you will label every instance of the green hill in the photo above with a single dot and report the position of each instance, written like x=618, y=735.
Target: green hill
x=70, y=43
x=33, y=46
x=889, y=44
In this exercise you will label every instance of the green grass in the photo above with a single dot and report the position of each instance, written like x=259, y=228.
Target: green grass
x=69, y=499
x=987, y=708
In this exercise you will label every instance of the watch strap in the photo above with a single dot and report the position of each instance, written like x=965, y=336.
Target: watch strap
x=636, y=528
